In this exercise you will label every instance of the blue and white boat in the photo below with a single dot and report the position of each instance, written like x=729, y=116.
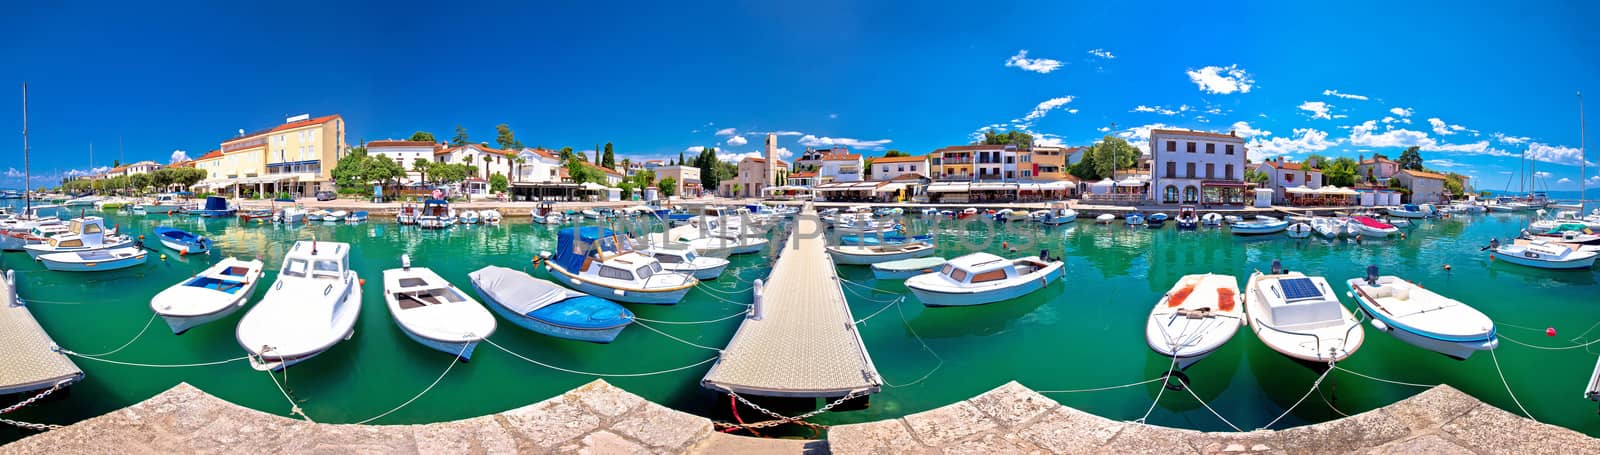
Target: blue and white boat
x=548, y=308
x=469, y=217
x=432, y=312
x=980, y=278
x=215, y=207
x=1422, y=317
x=1188, y=219
x=890, y=238
x=212, y=294
x=906, y=268
x=94, y=260
x=83, y=234
x=1407, y=211
x=604, y=264
x=356, y=217
x=184, y=242
x=1260, y=226
x=1058, y=214
x=1157, y=220
x=1134, y=218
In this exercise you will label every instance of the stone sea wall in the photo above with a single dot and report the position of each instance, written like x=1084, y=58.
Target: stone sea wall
x=598, y=418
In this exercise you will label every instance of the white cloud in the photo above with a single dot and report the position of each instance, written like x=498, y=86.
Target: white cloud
x=1558, y=154
x=833, y=115
x=725, y=132
x=1348, y=96
x=1507, y=139
x=13, y=173
x=1541, y=174
x=691, y=149
x=1318, y=109
x=1102, y=53
x=1139, y=136
x=1444, y=129
x=1445, y=163
x=1400, y=111
x=1154, y=109
x=779, y=133
x=1564, y=180
x=1304, y=140
x=1362, y=135
x=179, y=156
x=1340, y=116
x=1388, y=119
x=737, y=141
x=1037, y=65
x=1243, y=129
x=1045, y=107
x=1222, y=80
x=1049, y=140
x=814, y=141
x=1103, y=129
x=1072, y=111
x=737, y=157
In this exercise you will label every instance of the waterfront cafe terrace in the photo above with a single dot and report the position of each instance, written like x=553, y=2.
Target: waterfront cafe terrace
x=1327, y=196
x=985, y=191
x=268, y=184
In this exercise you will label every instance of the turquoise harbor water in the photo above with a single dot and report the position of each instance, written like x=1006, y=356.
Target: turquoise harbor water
x=1084, y=332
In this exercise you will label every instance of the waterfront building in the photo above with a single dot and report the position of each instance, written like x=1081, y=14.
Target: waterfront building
x=981, y=162
x=1378, y=169
x=811, y=159
x=404, y=153
x=489, y=160
x=1050, y=163
x=1187, y=164
x=840, y=167
x=1426, y=187
x=687, y=178
x=142, y=167
x=753, y=176
x=297, y=156
x=803, y=178
x=538, y=166
x=1282, y=175
x=889, y=168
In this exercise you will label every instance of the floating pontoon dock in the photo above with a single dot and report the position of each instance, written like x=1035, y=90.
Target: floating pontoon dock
x=28, y=358
x=803, y=341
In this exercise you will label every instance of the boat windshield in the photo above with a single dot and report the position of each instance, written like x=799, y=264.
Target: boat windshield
x=958, y=275
x=326, y=268
x=295, y=268
x=646, y=271
x=689, y=256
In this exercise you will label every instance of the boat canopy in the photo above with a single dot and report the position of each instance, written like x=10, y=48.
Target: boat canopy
x=519, y=292
x=576, y=243
x=216, y=203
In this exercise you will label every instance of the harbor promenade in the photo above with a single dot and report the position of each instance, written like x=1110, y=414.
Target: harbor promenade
x=28, y=359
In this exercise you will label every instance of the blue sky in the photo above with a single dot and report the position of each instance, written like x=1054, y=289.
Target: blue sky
x=656, y=78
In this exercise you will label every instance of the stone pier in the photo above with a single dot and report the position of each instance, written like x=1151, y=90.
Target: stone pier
x=598, y=418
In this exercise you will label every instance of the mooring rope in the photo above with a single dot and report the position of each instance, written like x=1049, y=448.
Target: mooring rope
x=900, y=309
x=1314, y=385
x=724, y=318
x=602, y=375
x=1391, y=381
x=680, y=340
x=1099, y=389
x=453, y=362
x=130, y=342
x=294, y=408
x=885, y=307
x=1502, y=374
x=1549, y=348
x=1162, y=390
x=1213, y=411
x=152, y=365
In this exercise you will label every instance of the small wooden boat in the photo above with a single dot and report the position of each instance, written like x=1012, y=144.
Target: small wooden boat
x=1105, y=218
x=906, y=268
x=1422, y=317
x=335, y=216
x=1299, y=230
x=1406, y=211
x=212, y=294
x=1211, y=219
x=469, y=217
x=1134, y=219
x=490, y=216
x=548, y=308
x=432, y=312
x=1198, y=315
x=184, y=242
x=94, y=260
x=1300, y=316
x=1155, y=221
x=254, y=215
x=981, y=278
x=872, y=254
x=1328, y=227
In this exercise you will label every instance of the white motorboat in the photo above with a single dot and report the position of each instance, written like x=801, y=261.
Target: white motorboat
x=1134, y=219
x=335, y=216
x=1300, y=316
x=83, y=234
x=289, y=215
x=311, y=307
x=1198, y=315
x=490, y=216
x=1367, y=226
x=590, y=214
x=408, y=214
x=1230, y=219
x=1298, y=230
x=356, y=216
x=1058, y=214
x=316, y=215
x=1328, y=227
x=1211, y=219
x=980, y=278
x=212, y=294
x=1407, y=211
x=1540, y=254
x=1422, y=317
x=469, y=217
x=436, y=214
x=548, y=308
x=1187, y=218
x=1106, y=218
x=604, y=264
x=98, y=260
x=872, y=254
x=685, y=260
x=431, y=311
x=907, y=268
x=40, y=234
x=1260, y=226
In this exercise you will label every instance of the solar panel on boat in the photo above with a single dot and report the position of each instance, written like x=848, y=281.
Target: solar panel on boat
x=1299, y=288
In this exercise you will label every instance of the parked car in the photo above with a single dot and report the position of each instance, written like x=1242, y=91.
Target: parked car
x=326, y=196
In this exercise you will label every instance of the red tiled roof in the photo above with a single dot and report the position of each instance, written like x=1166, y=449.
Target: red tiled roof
x=908, y=176
x=1423, y=174
x=210, y=155
x=899, y=159
x=841, y=157
x=963, y=148
x=1292, y=166
x=400, y=144
x=1196, y=133
x=803, y=175
x=1377, y=160
x=286, y=126
x=763, y=160
x=484, y=148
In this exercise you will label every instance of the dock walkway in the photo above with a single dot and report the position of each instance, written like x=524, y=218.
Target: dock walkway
x=28, y=359
x=805, y=343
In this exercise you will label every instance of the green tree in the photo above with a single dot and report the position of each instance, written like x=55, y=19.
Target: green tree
x=519, y=162
x=421, y=166
x=350, y=173
x=1254, y=176
x=1021, y=139
x=461, y=136
x=449, y=172
x=627, y=190
x=894, y=153
x=580, y=172
x=506, y=138
x=1317, y=161
x=1103, y=158
x=422, y=136
x=383, y=169
x=498, y=184
x=1340, y=171
x=1410, y=159
x=643, y=178
x=668, y=187
x=609, y=160
x=1453, y=184
x=566, y=154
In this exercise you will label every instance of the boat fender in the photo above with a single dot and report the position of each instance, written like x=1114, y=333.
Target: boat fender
x=163, y=256
x=1378, y=324
x=1549, y=331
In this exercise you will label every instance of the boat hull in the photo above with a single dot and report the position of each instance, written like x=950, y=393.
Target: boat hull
x=1541, y=264
x=461, y=349
x=933, y=298
x=602, y=336
x=700, y=273
x=666, y=297
x=184, y=247
x=100, y=266
x=843, y=258
x=181, y=324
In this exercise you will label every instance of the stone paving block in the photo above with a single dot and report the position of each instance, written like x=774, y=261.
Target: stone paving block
x=607, y=443
x=1012, y=404
x=1367, y=429
x=992, y=443
x=884, y=436
x=552, y=422
x=941, y=426
x=665, y=428
x=1432, y=407
x=481, y=435
x=360, y=439
x=1487, y=429
x=1250, y=442
x=1137, y=438
x=722, y=443
x=605, y=399
x=1429, y=444
x=1067, y=430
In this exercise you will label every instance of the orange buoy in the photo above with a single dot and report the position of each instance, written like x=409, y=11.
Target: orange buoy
x=1447, y=267
x=183, y=253
x=1549, y=331
x=363, y=281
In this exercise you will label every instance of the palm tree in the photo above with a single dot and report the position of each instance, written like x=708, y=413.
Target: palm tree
x=421, y=166
x=519, y=162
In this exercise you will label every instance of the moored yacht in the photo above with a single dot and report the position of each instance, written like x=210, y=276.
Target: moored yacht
x=981, y=278
x=312, y=306
x=432, y=312
x=212, y=294
x=1198, y=315
x=604, y=264
x=83, y=234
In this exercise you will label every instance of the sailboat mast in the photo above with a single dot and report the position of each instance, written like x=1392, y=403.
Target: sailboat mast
x=27, y=177
x=1583, y=158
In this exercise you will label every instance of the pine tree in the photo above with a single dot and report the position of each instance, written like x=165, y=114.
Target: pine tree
x=610, y=159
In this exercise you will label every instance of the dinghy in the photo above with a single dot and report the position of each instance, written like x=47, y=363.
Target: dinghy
x=184, y=242
x=981, y=278
x=1058, y=214
x=1260, y=226
x=212, y=294
x=1328, y=227
x=1300, y=316
x=1540, y=254
x=469, y=217
x=1406, y=211
x=1105, y=218
x=431, y=311
x=335, y=216
x=1155, y=221
x=290, y=215
x=1134, y=219
x=98, y=260
x=1211, y=219
x=490, y=216
x=356, y=217
x=1187, y=219
x=1298, y=230
x=1367, y=226
x=1198, y=315
x=685, y=260
x=906, y=268
x=1422, y=317
x=872, y=254
x=311, y=307
x=548, y=308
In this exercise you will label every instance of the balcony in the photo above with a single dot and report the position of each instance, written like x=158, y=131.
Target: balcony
x=966, y=160
x=258, y=142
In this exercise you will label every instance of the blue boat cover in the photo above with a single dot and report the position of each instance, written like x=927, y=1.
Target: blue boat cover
x=216, y=203
x=176, y=234
x=571, y=245
x=587, y=312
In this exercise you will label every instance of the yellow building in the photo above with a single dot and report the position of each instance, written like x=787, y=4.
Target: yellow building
x=296, y=157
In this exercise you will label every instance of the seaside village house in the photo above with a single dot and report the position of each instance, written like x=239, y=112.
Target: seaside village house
x=754, y=176
x=489, y=160
x=1426, y=187
x=1196, y=167
x=406, y=154
x=297, y=157
x=1284, y=176
x=995, y=173
x=1377, y=170
x=687, y=178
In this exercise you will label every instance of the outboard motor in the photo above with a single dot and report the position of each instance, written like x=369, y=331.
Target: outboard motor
x=1277, y=267
x=1372, y=275
x=1494, y=243
x=1044, y=255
